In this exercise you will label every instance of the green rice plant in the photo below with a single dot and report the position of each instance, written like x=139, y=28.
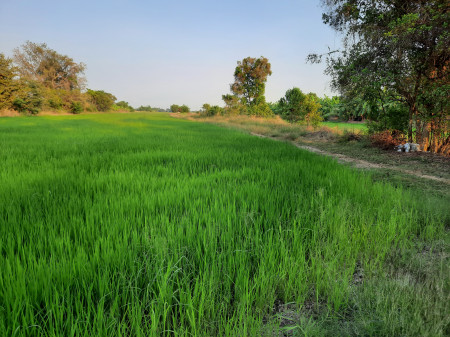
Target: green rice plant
x=142, y=225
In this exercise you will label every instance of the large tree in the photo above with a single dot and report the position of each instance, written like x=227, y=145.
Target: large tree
x=250, y=78
x=249, y=86
x=396, y=50
x=37, y=62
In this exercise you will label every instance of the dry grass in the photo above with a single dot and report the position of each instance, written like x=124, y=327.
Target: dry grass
x=9, y=113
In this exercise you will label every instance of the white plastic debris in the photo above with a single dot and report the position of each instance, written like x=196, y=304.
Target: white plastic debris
x=408, y=147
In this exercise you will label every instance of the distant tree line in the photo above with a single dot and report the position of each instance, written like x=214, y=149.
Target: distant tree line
x=38, y=78
x=148, y=108
x=247, y=96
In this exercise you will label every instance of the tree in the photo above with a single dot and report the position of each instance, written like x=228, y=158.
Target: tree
x=29, y=99
x=208, y=110
x=125, y=106
x=233, y=106
x=37, y=62
x=9, y=85
x=296, y=106
x=249, y=86
x=184, y=108
x=291, y=105
x=395, y=50
x=145, y=108
x=175, y=108
x=102, y=100
x=331, y=107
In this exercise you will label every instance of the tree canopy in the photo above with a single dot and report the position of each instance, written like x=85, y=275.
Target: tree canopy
x=248, y=88
x=395, y=50
x=102, y=100
x=39, y=63
x=250, y=78
x=296, y=106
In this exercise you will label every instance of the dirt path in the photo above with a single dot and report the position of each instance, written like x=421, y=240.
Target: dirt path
x=358, y=163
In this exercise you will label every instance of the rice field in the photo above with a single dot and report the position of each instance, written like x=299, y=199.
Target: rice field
x=144, y=225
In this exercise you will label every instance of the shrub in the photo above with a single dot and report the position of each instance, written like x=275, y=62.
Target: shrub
x=314, y=118
x=122, y=105
x=102, y=100
x=208, y=110
x=185, y=108
x=29, y=101
x=76, y=107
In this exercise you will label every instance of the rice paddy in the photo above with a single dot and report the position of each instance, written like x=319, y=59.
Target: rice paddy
x=144, y=225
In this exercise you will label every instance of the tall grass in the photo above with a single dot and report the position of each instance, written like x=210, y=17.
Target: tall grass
x=141, y=225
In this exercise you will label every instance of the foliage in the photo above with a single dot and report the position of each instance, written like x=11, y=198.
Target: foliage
x=54, y=99
x=37, y=62
x=331, y=107
x=184, y=108
x=296, y=106
x=233, y=105
x=29, y=100
x=179, y=108
x=248, y=88
x=390, y=115
x=275, y=107
x=395, y=49
x=291, y=105
x=76, y=107
x=145, y=108
x=46, y=80
x=259, y=108
x=124, y=106
x=208, y=110
x=9, y=85
x=102, y=100
x=175, y=108
x=250, y=77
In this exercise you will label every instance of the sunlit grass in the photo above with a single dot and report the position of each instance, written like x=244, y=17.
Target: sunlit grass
x=341, y=126
x=142, y=225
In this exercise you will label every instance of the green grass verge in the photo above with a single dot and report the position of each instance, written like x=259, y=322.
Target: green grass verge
x=341, y=126
x=142, y=225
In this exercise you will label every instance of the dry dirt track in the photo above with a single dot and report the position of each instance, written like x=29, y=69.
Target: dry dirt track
x=363, y=164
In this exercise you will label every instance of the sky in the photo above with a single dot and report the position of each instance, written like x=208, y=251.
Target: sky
x=167, y=52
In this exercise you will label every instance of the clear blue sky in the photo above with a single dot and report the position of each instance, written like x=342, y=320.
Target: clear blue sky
x=167, y=52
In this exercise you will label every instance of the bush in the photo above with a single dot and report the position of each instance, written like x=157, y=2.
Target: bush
x=29, y=101
x=102, y=100
x=76, y=107
x=387, y=139
x=208, y=110
x=260, y=109
x=122, y=105
x=314, y=118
